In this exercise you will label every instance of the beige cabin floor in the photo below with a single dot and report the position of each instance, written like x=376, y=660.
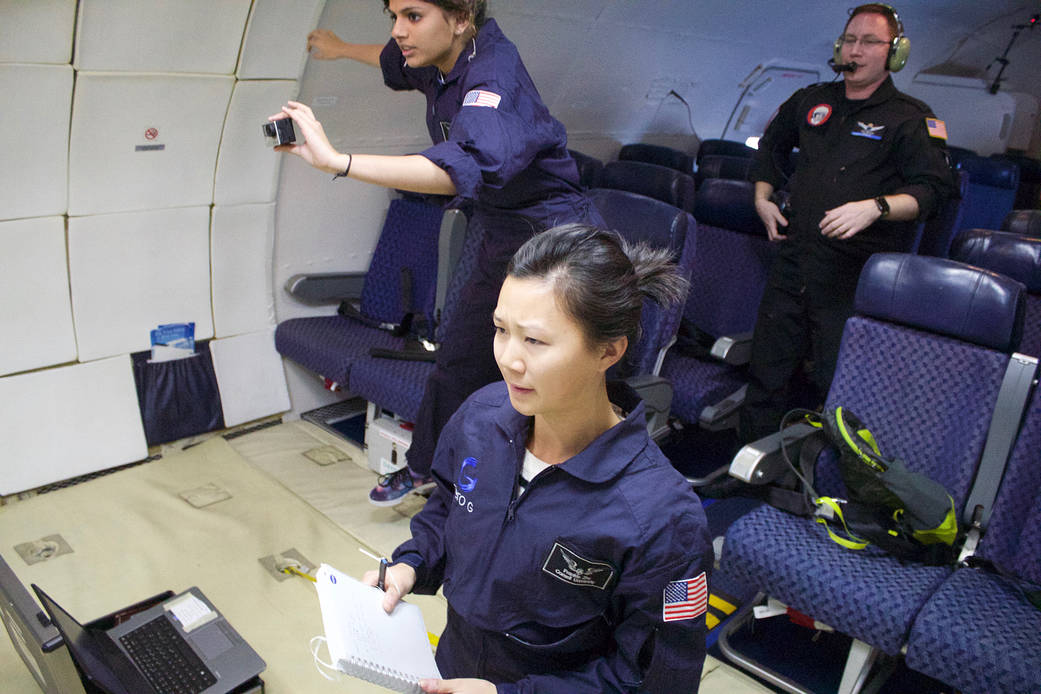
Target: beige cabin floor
x=327, y=518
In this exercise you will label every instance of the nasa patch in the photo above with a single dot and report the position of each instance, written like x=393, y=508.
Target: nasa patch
x=819, y=115
x=569, y=567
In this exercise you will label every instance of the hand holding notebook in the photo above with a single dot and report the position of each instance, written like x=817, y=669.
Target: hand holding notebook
x=391, y=650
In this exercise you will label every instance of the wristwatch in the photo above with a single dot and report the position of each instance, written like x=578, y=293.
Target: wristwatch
x=883, y=206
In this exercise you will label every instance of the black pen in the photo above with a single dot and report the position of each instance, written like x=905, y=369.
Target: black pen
x=381, y=582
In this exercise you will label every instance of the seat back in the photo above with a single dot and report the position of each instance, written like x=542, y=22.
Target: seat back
x=657, y=154
x=407, y=246
x=940, y=230
x=660, y=225
x=651, y=180
x=922, y=361
x=733, y=258
x=1028, y=195
x=589, y=168
x=1013, y=537
x=992, y=191
x=1015, y=256
x=1025, y=222
x=726, y=148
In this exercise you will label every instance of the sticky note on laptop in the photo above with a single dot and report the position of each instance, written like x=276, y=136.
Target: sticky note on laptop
x=190, y=611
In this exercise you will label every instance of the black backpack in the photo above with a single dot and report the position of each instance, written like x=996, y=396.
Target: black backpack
x=902, y=512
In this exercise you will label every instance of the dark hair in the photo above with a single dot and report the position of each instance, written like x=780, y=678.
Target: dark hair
x=474, y=10
x=896, y=28
x=599, y=278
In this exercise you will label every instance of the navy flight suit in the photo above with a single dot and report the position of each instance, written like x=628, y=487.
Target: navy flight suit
x=508, y=159
x=562, y=590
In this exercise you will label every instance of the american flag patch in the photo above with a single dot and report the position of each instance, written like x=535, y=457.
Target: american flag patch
x=937, y=128
x=686, y=599
x=480, y=97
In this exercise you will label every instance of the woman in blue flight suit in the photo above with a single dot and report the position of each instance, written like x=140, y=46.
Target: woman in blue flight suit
x=497, y=151
x=574, y=558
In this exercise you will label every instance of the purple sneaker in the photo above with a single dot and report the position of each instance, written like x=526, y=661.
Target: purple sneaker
x=391, y=490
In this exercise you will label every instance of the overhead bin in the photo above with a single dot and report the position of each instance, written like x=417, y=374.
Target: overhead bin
x=34, y=137
x=35, y=310
x=160, y=36
x=145, y=141
x=131, y=272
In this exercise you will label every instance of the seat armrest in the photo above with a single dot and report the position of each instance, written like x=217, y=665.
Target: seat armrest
x=733, y=349
x=723, y=414
x=656, y=393
x=326, y=287
x=761, y=462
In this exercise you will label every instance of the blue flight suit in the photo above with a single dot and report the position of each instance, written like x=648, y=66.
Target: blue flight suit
x=508, y=159
x=561, y=590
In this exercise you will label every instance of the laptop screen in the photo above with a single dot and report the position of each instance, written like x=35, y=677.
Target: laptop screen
x=99, y=659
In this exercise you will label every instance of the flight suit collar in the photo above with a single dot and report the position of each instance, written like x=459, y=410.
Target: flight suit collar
x=609, y=454
x=489, y=32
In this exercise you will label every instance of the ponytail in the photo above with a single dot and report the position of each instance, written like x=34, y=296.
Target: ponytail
x=600, y=279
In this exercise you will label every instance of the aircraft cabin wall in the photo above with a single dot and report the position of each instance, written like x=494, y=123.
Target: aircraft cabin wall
x=137, y=190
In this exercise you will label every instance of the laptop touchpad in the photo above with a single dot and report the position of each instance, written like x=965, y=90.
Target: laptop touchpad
x=211, y=641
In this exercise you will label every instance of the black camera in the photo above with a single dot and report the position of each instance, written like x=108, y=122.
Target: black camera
x=279, y=132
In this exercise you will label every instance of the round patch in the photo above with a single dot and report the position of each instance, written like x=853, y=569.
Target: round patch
x=819, y=114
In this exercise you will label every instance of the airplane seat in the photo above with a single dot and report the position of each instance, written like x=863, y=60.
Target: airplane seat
x=1028, y=194
x=657, y=154
x=979, y=632
x=924, y=364
x=733, y=258
x=940, y=229
x=589, y=168
x=401, y=281
x=398, y=385
x=723, y=166
x=726, y=148
x=992, y=191
x=1025, y=222
x=1012, y=255
x=651, y=180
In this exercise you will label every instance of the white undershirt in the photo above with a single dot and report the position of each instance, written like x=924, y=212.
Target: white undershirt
x=532, y=466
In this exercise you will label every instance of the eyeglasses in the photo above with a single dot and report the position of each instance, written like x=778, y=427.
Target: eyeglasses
x=868, y=42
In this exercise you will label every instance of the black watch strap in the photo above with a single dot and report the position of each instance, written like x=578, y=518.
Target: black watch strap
x=883, y=205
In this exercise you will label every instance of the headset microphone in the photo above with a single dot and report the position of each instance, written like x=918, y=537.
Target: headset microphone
x=841, y=67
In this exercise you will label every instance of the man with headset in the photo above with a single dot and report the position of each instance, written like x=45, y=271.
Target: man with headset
x=871, y=164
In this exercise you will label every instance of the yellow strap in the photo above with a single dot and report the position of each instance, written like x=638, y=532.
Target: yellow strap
x=853, y=543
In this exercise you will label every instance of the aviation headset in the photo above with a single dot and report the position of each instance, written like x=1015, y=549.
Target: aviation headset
x=899, y=47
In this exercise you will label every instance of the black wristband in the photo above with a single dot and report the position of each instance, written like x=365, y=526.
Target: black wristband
x=350, y=158
x=883, y=204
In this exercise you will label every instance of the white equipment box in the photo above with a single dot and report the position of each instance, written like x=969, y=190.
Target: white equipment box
x=386, y=440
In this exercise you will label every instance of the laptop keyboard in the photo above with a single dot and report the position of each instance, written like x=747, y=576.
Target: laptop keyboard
x=166, y=659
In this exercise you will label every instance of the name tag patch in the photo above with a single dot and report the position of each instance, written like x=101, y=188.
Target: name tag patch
x=565, y=565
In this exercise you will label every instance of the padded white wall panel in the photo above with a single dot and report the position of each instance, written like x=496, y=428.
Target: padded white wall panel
x=70, y=421
x=160, y=36
x=250, y=377
x=131, y=272
x=247, y=169
x=36, y=31
x=35, y=312
x=275, y=44
x=242, y=243
x=34, y=139
x=144, y=141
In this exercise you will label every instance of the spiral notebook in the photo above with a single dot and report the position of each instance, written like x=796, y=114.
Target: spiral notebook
x=391, y=650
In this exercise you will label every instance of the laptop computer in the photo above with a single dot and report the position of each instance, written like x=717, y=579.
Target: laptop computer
x=36, y=640
x=182, y=645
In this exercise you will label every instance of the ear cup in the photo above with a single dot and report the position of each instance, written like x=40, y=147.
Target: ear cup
x=898, y=52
